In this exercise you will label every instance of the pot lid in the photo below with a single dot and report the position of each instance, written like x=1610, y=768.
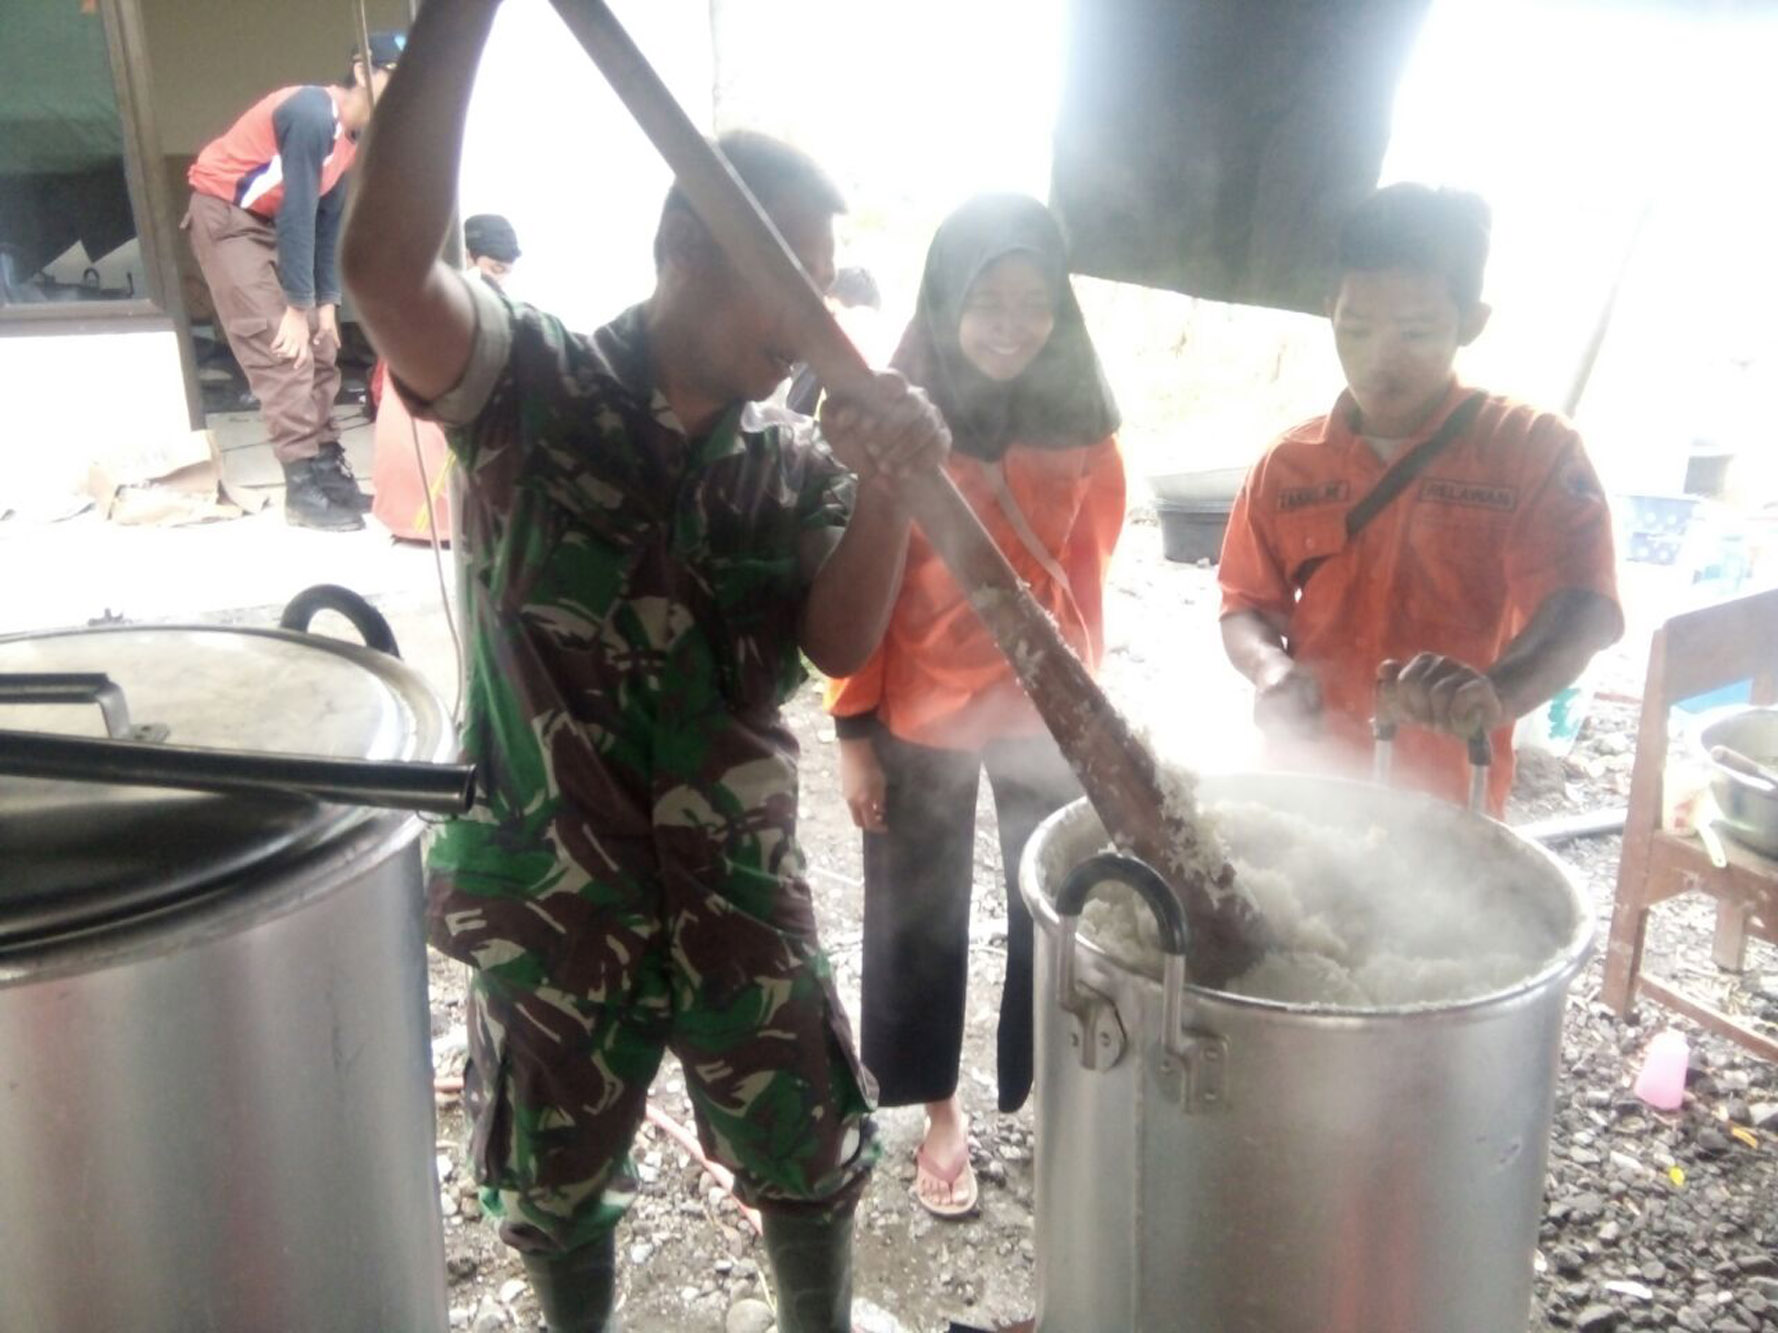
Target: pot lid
x=80, y=854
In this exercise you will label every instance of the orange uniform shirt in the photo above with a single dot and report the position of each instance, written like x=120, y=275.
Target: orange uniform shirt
x=937, y=678
x=1506, y=515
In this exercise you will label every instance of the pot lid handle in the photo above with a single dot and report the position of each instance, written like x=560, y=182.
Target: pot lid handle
x=365, y=618
x=79, y=687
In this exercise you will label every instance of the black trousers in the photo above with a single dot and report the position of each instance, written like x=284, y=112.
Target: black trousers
x=917, y=882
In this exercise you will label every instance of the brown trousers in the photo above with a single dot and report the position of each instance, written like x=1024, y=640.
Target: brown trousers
x=238, y=253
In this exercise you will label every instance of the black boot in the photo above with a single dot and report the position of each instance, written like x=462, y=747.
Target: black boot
x=308, y=505
x=811, y=1261
x=576, y=1291
x=337, y=479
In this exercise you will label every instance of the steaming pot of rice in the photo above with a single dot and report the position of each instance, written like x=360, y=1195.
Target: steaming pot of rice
x=1352, y=1137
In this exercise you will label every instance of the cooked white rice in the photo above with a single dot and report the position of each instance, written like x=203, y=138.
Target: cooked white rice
x=1362, y=921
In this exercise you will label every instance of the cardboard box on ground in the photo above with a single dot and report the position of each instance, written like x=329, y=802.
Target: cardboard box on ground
x=168, y=482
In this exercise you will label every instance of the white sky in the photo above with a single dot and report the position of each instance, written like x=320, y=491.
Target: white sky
x=1574, y=118
x=551, y=147
x=907, y=125
x=1570, y=116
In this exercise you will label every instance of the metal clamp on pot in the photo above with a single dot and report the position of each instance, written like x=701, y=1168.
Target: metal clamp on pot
x=1386, y=721
x=1189, y=1065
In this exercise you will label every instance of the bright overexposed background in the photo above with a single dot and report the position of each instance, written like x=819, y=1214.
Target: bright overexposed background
x=551, y=147
x=1613, y=138
x=907, y=125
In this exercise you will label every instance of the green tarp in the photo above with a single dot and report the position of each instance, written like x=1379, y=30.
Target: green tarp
x=58, y=107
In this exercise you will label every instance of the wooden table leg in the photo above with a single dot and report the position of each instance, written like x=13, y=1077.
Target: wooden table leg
x=1728, y=947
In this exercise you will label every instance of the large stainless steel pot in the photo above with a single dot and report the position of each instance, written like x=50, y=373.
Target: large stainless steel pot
x=215, y=1077
x=1230, y=1165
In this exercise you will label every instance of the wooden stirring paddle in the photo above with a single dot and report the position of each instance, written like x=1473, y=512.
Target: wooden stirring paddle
x=1119, y=774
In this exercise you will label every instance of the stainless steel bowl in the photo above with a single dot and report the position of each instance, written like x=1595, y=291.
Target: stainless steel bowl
x=1749, y=804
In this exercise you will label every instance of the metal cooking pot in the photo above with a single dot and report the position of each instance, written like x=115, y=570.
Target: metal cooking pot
x=1747, y=800
x=1235, y=1165
x=215, y=1075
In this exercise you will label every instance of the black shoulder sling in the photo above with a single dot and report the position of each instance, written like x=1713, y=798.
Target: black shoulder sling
x=1397, y=478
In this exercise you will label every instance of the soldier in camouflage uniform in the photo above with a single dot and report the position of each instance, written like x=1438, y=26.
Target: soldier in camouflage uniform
x=645, y=558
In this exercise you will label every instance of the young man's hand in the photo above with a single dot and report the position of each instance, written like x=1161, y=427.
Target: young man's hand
x=291, y=342
x=863, y=784
x=1287, y=699
x=893, y=431
x=328, y=316
x=1444, y=694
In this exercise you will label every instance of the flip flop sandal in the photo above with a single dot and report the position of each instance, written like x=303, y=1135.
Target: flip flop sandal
x=961, y=1182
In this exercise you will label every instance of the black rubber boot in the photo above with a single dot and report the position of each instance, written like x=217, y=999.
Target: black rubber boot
x=338, y=480
x=811, y=1261
x=308, y=505
x=576, y=1291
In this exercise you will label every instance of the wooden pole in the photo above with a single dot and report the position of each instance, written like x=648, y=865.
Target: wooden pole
x=1589, y=354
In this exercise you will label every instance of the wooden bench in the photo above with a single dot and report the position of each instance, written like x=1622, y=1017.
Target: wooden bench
x=1693, y=654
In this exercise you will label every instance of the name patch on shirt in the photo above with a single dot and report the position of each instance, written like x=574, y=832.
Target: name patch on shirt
x=1293, y=498
x=1470, y=495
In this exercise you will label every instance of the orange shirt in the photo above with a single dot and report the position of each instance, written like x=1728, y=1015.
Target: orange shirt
x=937, y=678
x=1506, y=515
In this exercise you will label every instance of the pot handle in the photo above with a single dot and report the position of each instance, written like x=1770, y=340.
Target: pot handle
x=1386, y=722
x=80, y=687
x=1085, y=1005
x=1742, y=771
x=365, y=618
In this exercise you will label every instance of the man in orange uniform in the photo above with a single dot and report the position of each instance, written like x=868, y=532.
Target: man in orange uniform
x=1419, y=522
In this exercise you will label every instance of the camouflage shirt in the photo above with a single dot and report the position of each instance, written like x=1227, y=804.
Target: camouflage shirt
x=632, y=600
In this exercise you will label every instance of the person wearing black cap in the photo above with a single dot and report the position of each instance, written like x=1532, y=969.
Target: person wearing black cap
x=267, y=199
x=491, y=245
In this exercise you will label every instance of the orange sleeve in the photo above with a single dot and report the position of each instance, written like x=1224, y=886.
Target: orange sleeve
x=859, y=694
x=1086, y=554
x=1562, y=536
x=1250, y=574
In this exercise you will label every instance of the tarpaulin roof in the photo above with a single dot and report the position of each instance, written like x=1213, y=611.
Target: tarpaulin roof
x=1211, y=146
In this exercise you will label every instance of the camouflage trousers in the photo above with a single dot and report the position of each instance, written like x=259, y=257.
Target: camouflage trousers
x=557, y=1081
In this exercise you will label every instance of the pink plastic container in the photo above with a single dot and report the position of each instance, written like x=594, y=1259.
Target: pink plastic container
x=1661, y=1081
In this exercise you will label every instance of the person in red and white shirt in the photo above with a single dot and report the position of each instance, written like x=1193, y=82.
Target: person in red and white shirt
x=267, y=199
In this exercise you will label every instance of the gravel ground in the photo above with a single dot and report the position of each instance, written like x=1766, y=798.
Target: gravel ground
x=1654, y=1220
x=1658, y=1220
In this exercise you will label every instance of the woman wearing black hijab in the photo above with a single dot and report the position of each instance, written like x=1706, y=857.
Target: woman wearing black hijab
x=998, y=342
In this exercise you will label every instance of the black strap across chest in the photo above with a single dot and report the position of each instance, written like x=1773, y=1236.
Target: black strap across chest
x=1411, y=465
x=1397, y=478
